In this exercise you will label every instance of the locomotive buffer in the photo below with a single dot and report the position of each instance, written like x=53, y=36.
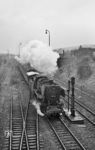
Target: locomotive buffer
x=71, y=114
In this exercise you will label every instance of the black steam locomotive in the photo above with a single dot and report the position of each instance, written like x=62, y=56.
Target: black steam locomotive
x=48, y=93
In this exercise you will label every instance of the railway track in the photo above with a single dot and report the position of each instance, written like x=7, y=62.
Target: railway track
x=79, y=93
x=65, y=137
x=23, y=131
x=33, y=133
x=14, y=133
x=31, y=123
x=31, y=127
x=16, y=124
x=77, y=88
x=84, y=110
x=88, y=115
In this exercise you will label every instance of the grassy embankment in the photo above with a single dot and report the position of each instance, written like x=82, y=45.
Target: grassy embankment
x=81, y=66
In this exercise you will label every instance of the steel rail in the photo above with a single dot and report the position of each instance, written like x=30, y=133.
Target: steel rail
x=37, y=131
x=88, y=111
x=24, y=121
x=81, y=104
x=62, y=145
x=83, y=148
x=37, y=127
x=93, y=123
x=11, y=101
x=72, y=135
x=21, y=144
x=77, y=88
x=21, y=140
x=84, y=106
x=24, y=129
x=12, y=121
x=26, y=115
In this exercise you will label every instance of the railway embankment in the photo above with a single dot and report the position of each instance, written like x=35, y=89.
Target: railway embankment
x=81, y=66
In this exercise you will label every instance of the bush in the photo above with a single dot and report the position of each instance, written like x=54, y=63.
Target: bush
x=84, y=71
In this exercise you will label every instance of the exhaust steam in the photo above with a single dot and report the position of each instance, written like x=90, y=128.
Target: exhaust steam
x=40, y=56
x=37, y=106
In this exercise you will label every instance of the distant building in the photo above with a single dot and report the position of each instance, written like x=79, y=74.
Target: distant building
x=59, y=51
x=83, y=51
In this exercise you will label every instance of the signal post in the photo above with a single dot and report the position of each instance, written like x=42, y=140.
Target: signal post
x=71, y=113
x=73, y=97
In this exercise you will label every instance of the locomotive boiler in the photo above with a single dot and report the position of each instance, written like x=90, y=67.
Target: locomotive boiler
x=48, y=94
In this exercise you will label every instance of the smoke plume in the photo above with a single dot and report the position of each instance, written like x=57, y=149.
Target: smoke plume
x=40, y=56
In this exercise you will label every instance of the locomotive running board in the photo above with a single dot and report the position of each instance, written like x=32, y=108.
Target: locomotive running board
x=77, y=119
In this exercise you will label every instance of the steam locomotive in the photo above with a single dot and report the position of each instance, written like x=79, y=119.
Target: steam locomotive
x=48, y=93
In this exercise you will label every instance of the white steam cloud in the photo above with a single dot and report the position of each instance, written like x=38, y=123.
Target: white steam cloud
x=37, y=106
x=40, y=56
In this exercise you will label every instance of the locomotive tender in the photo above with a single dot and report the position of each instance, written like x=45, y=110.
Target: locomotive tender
x=48, y=93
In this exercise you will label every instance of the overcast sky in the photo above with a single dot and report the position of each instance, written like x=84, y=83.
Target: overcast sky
x=71, y=22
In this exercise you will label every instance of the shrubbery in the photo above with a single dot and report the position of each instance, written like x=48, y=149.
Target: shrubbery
x=84, y=71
